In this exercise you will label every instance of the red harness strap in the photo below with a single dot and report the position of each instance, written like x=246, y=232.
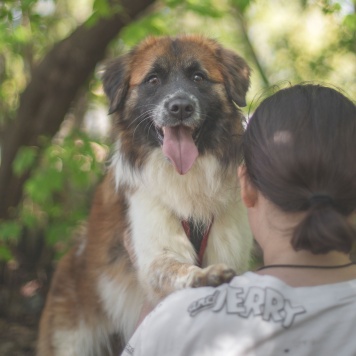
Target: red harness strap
x=198, y=237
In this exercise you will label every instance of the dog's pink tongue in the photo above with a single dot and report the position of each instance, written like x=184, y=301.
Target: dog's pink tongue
x=179, y=147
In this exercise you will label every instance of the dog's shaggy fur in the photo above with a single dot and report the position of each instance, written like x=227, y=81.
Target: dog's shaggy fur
x=178, y=132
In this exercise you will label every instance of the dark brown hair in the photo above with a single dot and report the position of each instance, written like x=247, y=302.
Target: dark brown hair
x=300, y=153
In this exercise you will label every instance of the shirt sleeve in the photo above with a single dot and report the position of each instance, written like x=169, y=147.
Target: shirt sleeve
x=130, y=346
x=136, y=341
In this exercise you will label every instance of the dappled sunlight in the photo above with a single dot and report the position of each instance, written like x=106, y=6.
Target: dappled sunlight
x=55, y=131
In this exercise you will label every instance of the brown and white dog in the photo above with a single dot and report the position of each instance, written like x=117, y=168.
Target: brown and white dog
x=173, y=174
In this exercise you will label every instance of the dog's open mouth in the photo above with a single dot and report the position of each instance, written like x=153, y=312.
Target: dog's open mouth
x=179, y=147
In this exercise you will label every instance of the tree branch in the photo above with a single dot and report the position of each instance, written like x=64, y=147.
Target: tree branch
x=251, y=49
x=48, y=96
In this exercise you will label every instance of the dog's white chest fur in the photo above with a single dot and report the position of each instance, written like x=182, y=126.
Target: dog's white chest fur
x=161, y=198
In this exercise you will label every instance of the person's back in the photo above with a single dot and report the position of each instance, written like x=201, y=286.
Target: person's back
x=298, y=181
x=253, y=315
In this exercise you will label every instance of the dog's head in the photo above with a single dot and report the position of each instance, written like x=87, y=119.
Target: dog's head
x=179, y=94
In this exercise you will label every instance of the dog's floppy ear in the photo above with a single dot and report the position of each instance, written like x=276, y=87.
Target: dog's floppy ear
x=236, y=74
x=116, y=81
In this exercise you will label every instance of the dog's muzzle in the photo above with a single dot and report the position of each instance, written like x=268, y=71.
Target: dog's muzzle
x=178, y=117
x=181, y=108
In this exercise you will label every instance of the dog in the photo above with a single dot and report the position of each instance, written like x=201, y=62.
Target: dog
x=171, y=189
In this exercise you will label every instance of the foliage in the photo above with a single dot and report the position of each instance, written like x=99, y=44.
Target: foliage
x=283, y=41
x=58, y=192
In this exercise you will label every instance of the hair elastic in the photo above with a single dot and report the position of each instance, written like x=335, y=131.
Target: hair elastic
x=320, y=199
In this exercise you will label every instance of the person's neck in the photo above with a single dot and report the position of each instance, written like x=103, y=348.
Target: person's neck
x=273, y=231
x=281, y=254
x=287, y=255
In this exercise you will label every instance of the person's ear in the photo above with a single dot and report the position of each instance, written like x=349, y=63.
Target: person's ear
x=248, y=191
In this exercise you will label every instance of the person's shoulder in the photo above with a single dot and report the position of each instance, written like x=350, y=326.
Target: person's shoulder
x=184, y=297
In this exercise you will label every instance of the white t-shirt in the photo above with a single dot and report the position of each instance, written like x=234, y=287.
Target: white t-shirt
x=252, y=315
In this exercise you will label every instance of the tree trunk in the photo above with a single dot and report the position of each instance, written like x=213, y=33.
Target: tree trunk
x=48, y=96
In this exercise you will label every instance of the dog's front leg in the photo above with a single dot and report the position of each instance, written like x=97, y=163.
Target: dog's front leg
x=164, y=257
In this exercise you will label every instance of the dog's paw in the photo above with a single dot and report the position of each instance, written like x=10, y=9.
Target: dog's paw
x=213, y=275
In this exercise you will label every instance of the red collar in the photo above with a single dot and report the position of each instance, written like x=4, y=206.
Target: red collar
x=198, y=235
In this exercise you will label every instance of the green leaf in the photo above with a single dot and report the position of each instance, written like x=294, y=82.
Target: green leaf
x=26, y=4
x=42, y=185
x=135, y=32
x=29, y=219
x=204, y=8
x=241, y=5
x=173, y=3
x=102, y=7
x=10, y=231
x=57, y=232
x=329, y=8
x=25, y=158
x=350, y=22
x=5, y=13
x=21, y=34
x=5, y=254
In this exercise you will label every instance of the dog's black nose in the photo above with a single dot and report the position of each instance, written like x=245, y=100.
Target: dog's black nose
x=181, y=108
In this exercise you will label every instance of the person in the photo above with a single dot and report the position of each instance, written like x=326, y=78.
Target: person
x=298, y=182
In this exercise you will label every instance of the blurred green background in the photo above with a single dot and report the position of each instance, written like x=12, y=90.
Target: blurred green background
x=55, y=134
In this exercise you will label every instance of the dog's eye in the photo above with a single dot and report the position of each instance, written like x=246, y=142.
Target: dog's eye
x=153, y=79
x=198, y=77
